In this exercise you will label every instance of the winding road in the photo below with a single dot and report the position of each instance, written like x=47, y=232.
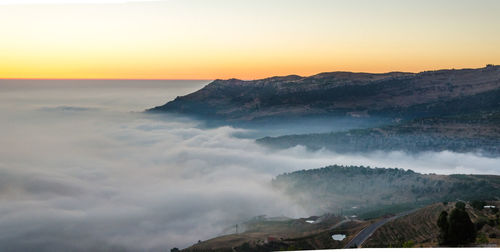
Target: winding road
x=364, y=234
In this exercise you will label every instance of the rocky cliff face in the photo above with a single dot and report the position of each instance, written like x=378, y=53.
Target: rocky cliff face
x=338, y=93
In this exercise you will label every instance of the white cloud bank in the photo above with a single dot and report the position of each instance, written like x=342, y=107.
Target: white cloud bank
x=80, y=173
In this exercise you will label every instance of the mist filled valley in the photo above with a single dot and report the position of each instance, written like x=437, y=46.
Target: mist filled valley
x=82, y=167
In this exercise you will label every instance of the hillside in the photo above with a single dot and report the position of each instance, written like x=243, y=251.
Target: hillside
x=351, y=199
x=420, y=228
x=394, y=95
x=293, y=234
x=369, y=192
x=476, y=132
x=264, y=234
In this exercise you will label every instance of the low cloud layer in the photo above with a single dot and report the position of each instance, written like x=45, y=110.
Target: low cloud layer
x=89, y=175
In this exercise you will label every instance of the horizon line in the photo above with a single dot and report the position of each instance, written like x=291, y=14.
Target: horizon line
x=102, y=79
x=270, y=76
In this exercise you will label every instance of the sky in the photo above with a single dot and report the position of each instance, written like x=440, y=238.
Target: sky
x=199, y=39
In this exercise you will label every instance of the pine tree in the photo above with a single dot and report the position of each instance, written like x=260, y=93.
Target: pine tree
x=461, y=230
x=456, y=229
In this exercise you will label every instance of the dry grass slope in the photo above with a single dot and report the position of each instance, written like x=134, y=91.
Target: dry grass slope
x=419, y=227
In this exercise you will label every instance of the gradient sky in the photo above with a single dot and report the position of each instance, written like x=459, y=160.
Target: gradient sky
x=208, y=39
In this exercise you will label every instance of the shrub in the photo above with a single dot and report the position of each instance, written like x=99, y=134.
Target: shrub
x=481, y=222
x=409, y=244
x=478, y=205
x=481, y=239
x=460, y=205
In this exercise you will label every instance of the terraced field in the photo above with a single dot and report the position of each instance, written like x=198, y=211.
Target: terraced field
x=296, y=234
x=419, y=227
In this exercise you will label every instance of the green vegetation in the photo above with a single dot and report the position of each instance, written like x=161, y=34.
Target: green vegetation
x=478, y=204
x=372, y=192
x=481, y=239
x=443, y=225
x=409, y=244
x=477, y=132
x=456, y=229
x=434, y=224
x=460, y=205
x=449, y=225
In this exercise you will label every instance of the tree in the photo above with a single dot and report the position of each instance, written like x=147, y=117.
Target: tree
x=443, y=228
x=456, y=228
x=460, y=205
x=478, y=205
x=244, y=247
x=461, y=230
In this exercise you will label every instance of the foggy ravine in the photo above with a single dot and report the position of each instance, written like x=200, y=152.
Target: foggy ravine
x=82, y=169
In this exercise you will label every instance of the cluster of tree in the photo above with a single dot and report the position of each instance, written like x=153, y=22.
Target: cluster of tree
x=456, y=228
x=458, y=133
x=478, y=204
x=429, y=134
x=370, y=189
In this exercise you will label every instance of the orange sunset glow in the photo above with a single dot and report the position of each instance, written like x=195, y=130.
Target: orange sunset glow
x=191, y=39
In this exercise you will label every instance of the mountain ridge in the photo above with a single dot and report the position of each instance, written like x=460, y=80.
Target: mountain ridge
x=348, y=94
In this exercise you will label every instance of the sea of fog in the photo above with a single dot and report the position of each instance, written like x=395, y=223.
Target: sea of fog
x=82, y=168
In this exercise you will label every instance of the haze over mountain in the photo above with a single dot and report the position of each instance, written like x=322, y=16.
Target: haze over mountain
x=399, y=207
x=157, y=125
x=471, y=132
x=371, y=191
